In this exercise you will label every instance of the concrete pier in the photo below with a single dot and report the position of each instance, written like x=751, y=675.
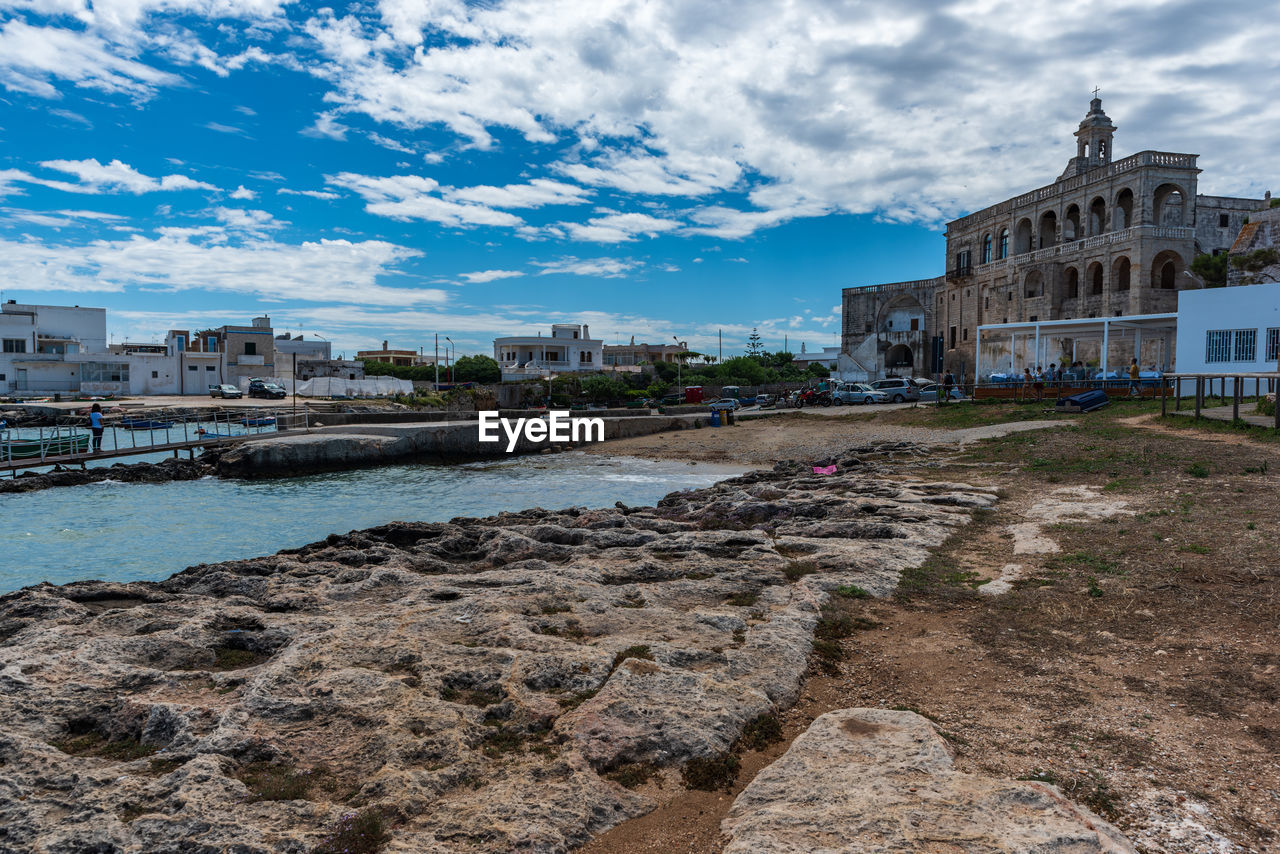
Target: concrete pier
x=357, y=445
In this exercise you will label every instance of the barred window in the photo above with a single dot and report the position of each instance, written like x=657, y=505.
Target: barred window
x=105, y=372
x=1246, y=345
x=1273, y=344
x=1218, y=346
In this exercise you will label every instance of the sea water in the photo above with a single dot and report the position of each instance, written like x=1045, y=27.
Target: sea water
x=129, y=532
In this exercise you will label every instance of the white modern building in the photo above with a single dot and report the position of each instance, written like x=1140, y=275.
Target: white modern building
x=42, y=347
x=1230, y=331
x=569, y=348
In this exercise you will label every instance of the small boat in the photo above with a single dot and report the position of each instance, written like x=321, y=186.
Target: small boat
x=145, y=424
x=207, y=434
x=258, y=422
x=53, y=446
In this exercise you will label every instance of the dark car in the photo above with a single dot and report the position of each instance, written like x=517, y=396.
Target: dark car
x=262, y=388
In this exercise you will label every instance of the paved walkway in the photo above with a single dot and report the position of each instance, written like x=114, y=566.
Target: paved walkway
x=1223, y=413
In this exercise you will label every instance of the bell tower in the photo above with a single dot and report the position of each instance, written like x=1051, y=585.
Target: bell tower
x=1093, y=139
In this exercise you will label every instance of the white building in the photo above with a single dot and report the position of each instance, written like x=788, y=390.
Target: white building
x=1229, y=330
x=569, y=348
x=305, y=348
x=50, y=349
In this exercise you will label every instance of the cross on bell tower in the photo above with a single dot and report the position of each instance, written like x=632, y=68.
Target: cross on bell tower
x=1093, y=139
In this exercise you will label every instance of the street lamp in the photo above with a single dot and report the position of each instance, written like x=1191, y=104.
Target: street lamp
x=679, y=365
x=449, y=364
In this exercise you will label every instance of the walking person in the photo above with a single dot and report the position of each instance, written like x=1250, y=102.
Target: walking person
x=1026, y=383
x=1134, y=373
x=1039, y=384
x=95, y=427
x=948, y=380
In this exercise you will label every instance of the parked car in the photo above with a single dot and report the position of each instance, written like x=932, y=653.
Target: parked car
x=857, y=393
x=930, y=393
x=766, y=401
x=264, y=388
x=725, y=403
x=898, y=390
x=227, y=392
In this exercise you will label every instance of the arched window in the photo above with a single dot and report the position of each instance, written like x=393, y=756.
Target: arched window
x=1124, y=209
x=1071, y=224
x=1097, y=217
x=1004, y=243
x=1168, y=276
x=1022, y=237
x=1073, y=283
x=1122, y=274
x=1095, y=280
x=986, y=249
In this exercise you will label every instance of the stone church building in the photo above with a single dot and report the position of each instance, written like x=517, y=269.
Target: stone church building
x=1107, y=238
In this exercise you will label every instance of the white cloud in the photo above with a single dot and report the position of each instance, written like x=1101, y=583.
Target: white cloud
x=62, y=218
x=246, y=220
x=94, y=177
x=535, y=194
x=765, y=112
x=605, y=268
x=221, y=128
x=619, y=227
x=314, y=194
x=207, y=258
x=490, y=276
x=30, y=57
x=242, y=193
x=327, y=126
x=409, y=197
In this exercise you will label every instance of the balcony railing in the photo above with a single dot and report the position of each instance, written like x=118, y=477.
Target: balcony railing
x=1137, y=232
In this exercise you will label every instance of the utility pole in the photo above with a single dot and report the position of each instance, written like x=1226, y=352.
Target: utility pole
x=679, y=365
x=437, y=361
x=295, y=386
x=720, y=333
x=447, y=363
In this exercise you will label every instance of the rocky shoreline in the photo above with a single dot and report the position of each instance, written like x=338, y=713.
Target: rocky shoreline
x=478, y=685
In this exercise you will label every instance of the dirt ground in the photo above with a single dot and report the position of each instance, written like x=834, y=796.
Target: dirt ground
x=1134, y=661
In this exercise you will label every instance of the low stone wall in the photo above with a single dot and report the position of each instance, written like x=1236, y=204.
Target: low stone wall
x=354, y=446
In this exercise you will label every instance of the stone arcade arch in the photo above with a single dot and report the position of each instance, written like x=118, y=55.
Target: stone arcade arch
x=1033, y=284
x=1022, y=237
x=1169, y=206
x=1124, y=209
x=1071, y=224
x=1048, y=229
x=1095, y=279
x=1120, y=273
x=1071, y=283
x=1097, y=216
x=1166, y=269
x=899, y=356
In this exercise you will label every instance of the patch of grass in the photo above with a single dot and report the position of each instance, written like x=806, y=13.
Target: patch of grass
x=760, y=732
x=556, y=608
x=1198, y=470
x=1251, y=526
x=833, y=625
x=743, y=600
x=1094, y=590
x=632, y=774
x=96, y=744
x=637, y=651
x=480, y=697
x=501, y=740
x=1086, y=561
x=1195, y=548
x=634, y=600
x=827, y=655
x=363, y=832
x=165, y=766
x=577, y=698
x=712, y=773
x=851, y=591
x=275, y=781
x=798, y=569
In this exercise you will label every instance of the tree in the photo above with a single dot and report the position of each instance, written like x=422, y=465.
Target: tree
x=475, y=369
x=1211, y=268
x=820, y=370
x=600, y=388
x=755, y=349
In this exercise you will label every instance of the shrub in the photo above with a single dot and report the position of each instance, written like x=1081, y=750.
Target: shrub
x=361, y=832
x=711, y=773
x=798, y=569
x=637, y=651
x=761, y=732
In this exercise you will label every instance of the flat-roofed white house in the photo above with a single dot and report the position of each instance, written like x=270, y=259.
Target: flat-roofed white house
x=1229, y=330
x=569, y=348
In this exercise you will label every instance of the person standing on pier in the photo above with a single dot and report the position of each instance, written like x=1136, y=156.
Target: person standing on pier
x=95, y=427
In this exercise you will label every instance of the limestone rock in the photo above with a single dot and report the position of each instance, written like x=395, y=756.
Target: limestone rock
x=471, y=680
x=872, y=781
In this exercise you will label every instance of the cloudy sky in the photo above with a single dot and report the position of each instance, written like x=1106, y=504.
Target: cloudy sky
x=396, y=168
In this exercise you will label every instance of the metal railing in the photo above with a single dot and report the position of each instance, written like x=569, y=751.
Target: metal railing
x=72, y=439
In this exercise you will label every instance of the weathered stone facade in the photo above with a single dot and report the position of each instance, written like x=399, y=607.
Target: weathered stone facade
x=1107, y=238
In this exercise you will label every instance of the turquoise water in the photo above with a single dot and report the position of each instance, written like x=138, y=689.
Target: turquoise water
x=130, y=532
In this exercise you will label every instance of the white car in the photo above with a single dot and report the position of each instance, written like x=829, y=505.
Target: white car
x=898, y=390
x=729, y=403
x=857, y=393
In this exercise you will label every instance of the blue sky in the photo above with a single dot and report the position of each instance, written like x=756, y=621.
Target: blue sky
x=391, y=169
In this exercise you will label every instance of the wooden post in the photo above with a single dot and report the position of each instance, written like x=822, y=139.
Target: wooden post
x=1199, y=395
x=1235, y=398
x=1164, y=397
